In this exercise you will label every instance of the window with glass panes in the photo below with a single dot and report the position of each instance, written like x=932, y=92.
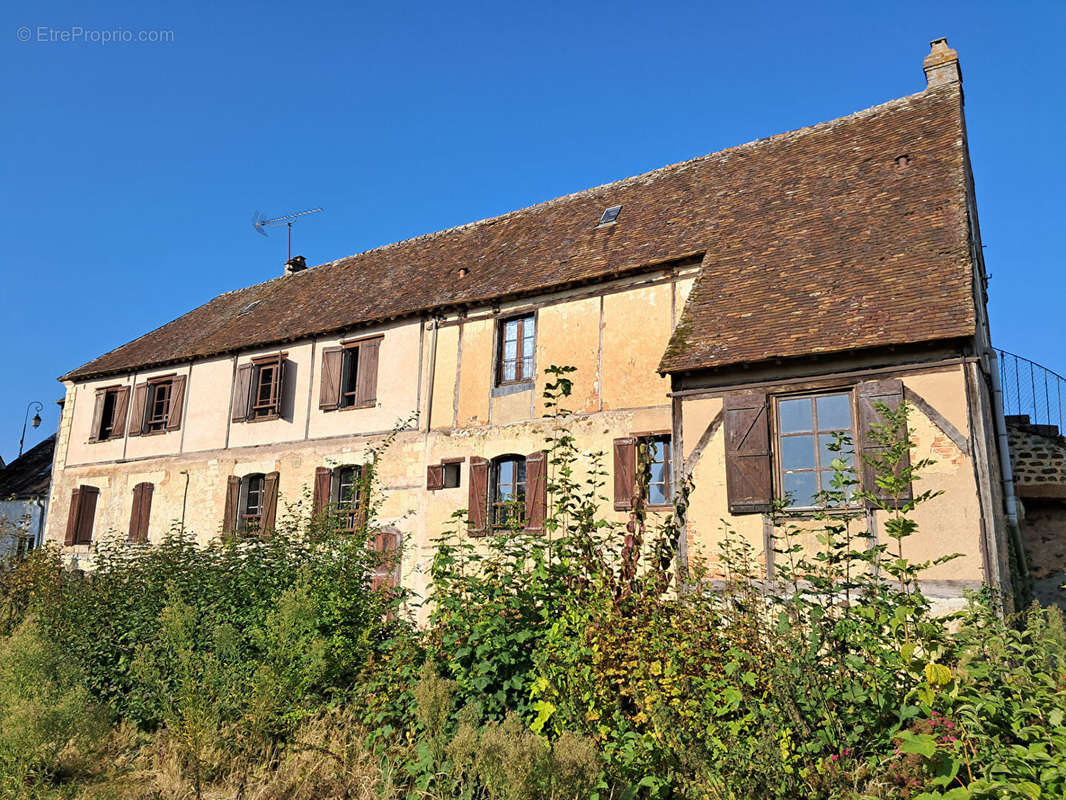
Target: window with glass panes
x=251, y=509
x=655, y=452
x=508, y=496
x=806, y=428
x=265, y=389
x=517, y=338
x=346, y=496
x=158, y=405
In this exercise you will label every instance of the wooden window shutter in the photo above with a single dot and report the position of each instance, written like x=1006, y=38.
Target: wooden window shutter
x=122, y=401
x=177, y=403
x=386, y=572
x=435, y=477
x=140, y=399
x=98, y=415
x=366, y=379
x=87, y=496
x=270, y=504
x=477, y=513
x=889, y=392
x=242, y=393
x=72, y=518
x=142, y=510
x=625, y=472
x=233, y=495
x=329, y=390
x=536, y=490
x=320, y=494
x=748, y=470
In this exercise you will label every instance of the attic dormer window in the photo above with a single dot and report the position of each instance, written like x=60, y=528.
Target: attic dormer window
x=609, y=216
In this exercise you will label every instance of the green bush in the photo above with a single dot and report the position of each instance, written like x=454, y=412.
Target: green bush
x=48, y=722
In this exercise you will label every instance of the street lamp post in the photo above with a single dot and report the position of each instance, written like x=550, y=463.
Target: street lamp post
x=36, y=421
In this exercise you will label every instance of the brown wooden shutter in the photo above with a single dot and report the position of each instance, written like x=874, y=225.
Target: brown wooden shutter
x=141, y=513
x=233, y=495
x=320, y=496
x=536, y=490
x=366, y=379
x=889, y=392
x=86, y=514
x=98, y=415
x=748, y=470
x=477, y=513
x=122, y=401
x=387, y=569
x=625, y=472
x=140, y=399
x=242, y=393
x=270, y=504
x=72, y=518
x=329, y=390
x=177, y=403
x=277, y=386
x=435, y=477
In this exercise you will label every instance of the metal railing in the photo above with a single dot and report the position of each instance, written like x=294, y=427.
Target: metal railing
x=1031, y=390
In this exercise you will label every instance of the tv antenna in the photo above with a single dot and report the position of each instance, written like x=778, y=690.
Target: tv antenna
x=261, y=223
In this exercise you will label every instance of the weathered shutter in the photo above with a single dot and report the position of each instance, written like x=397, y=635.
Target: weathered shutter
x=72, y=518
x=86, y=514
x=320, y=496
x=435, y=477
x=386, y=543
x=270, y=504
x=277, y=385
x=177, y=403
x=477, y=513
x=625, y=472
x=889, y=392
x=366, y=379
x=242, y=393
x=122, y=401
x=329, y=390
x=233, y=494
x=141, y=513
x=140, y=400
x=748, y=471
x=98, y=415
x=536, y=490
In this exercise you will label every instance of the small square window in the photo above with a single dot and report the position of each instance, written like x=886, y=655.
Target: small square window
x=451, y=476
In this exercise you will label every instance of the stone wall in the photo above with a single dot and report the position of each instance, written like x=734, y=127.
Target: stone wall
x=1038, y=458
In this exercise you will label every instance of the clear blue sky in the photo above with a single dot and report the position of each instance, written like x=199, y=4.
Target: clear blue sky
x=131, y=170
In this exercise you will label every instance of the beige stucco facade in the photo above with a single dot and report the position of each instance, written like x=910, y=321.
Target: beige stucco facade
x=436, y=388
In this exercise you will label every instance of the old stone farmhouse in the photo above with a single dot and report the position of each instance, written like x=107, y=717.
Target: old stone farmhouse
x=731, y=313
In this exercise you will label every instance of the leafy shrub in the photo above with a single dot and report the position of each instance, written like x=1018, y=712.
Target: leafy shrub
x=48, y=722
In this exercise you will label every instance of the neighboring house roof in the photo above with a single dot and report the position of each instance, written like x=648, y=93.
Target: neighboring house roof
x=814, y=241
x=30, y=474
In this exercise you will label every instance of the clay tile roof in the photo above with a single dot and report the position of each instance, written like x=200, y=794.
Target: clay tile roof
x=814, y=240
x=846, y=235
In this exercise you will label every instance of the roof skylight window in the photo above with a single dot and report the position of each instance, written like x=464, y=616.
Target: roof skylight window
x=610, y=215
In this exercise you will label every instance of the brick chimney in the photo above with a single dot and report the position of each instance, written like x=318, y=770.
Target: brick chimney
x=295, y=264
x=941, y=65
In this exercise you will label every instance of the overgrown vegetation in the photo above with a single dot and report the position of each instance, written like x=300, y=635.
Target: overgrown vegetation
x=564, y=663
